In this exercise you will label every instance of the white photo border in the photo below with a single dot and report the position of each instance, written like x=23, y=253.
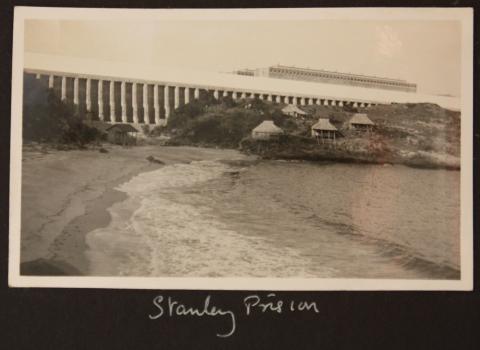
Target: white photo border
x=464, y=15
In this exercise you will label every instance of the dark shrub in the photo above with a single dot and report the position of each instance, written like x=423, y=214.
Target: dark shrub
x=183, y=114
x=47, y=119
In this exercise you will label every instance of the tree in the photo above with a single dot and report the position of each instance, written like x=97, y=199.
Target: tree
x=48, y=119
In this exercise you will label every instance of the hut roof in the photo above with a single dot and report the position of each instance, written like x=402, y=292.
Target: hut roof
x=268, y=127
x=361, y=118
x=122, y=128
x=293, y=109
x=324, y=124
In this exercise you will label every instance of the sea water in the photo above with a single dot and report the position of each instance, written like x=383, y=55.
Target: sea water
x=282, y=219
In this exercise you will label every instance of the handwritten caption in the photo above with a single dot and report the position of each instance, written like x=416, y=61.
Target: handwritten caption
x=169, y=307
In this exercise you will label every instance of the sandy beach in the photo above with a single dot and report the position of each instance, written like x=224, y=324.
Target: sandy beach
x=66, y=194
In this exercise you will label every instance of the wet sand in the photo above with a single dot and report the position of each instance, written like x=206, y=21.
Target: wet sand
x=66, y=194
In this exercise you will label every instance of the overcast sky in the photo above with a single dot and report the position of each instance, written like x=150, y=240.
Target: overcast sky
x=424, y=52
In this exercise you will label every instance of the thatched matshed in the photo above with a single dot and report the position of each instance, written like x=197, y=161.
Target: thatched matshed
x=122, y=134
x=324, y=130
x=360, y=121
x=293, y=111
x=266, y=130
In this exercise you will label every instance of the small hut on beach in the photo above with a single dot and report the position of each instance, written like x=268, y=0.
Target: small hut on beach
x=293, y=111
x=324, y=130
x=122, y=134
x=266, y=130
x=360, y=121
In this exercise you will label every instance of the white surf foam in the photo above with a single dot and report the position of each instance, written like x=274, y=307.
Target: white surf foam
x=154, y=233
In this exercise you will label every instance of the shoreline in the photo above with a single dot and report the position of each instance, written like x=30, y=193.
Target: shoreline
x=74, y=236
x=425, y=162
x=407, y=163
x=87, y=209
x=71, y=244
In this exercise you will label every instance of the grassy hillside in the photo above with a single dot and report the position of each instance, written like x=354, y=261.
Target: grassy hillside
x=414, y=134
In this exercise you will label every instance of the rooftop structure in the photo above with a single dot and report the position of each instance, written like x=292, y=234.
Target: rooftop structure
x=324, y=124
x=323, y=129
x=360, y=121
x=122, y=128
x=330, y=77
x=247, y=72
x=122, y=134
x=293, y=111
x=361, y=118
x=266, y=130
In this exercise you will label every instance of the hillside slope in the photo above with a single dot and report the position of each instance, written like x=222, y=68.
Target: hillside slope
x=422, y=135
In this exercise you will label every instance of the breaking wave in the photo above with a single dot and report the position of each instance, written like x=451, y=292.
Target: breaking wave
x=255, y=219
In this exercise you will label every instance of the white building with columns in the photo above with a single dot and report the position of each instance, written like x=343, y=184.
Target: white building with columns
x=138, y=94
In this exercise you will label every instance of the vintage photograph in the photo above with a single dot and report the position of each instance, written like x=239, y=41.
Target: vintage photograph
x=264, y=148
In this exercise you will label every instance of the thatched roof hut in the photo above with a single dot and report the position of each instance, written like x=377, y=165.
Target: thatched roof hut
x=324, y=124
x=266, y=130
x=323, y=129
x=122, y=134
x=293, y=111
x=360, y=121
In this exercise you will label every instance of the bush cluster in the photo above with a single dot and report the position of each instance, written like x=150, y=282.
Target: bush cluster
x=48, y=119
x=222, y=122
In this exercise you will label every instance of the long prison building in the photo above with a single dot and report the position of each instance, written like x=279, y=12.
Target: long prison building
x=117, y=92
x=324, y=76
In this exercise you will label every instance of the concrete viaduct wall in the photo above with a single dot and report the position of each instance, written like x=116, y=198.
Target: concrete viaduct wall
x=141, y=94
x=136, y=102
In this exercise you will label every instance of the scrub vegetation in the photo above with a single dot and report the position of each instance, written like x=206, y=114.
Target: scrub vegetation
x=421, y=135
x=46, y=119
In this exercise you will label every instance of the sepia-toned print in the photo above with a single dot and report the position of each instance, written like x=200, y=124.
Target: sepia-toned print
x=244, y=149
